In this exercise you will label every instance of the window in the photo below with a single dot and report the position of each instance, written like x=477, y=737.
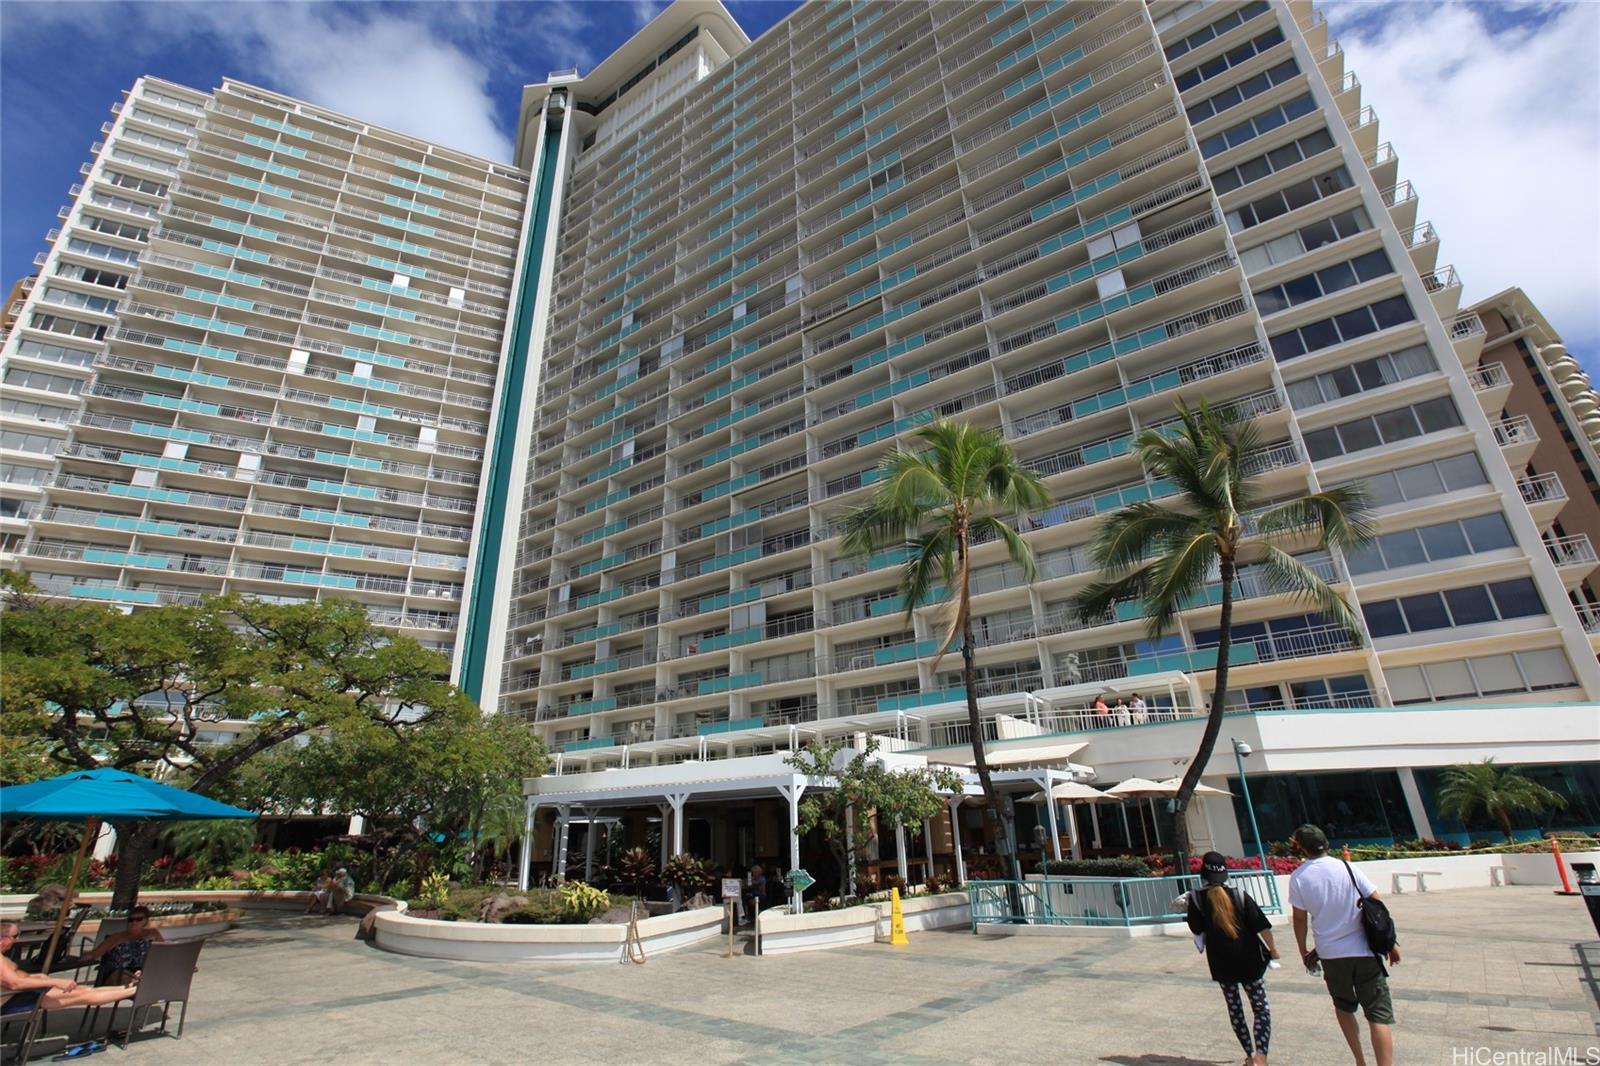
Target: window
x=1388, y=427
x=55, y=353
x=1434, y=543
x=1315, y=336
x=43, y=412
x=128, y=181
x=67, y=297
x=18, y=441
x=22, y=378
x=1472, y=605
x=1361, y=377
x=126, y=230
x=1233, y=57
x=1286, y=155
x=1306, y=239
x=102, y=251
x=1324, y=282
x=71, y=327
x=1483, y=675
x=1237, y=17
x=1235, y=95
x=92, y=275
x=22, y=474
x=1252, y=128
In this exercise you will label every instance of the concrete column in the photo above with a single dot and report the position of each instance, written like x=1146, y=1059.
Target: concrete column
x=1413, y=795
x=850, y=849
x=900, y=851
x=588, y=847
x=564, y=813
x=677, y=800
x=792, y=793
x=666, y=831
x=105, y=842
x=927, y=843
x=1050, y=815
x=955, y=837
x=526, y=865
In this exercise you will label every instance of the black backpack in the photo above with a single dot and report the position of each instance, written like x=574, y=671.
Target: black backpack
x=1376, y=921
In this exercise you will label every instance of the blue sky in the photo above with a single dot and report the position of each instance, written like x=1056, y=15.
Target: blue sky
x=1494, y=108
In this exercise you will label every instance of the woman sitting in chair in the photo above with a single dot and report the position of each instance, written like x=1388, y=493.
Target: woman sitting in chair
x=121, y=955
x=21, y=991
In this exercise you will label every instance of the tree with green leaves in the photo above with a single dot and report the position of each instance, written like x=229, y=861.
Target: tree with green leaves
x=92, y=686
x=869, y=792
x=436, y=785
x=1496, y=792
x=1163, y=554
x=960, y=486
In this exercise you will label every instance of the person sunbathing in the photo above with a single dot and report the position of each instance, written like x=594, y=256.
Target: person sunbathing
x=21, y=991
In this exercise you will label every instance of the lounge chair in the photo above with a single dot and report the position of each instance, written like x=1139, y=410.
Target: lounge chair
x=168, y=971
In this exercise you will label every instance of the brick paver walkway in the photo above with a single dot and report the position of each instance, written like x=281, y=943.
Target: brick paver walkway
x=1508, y=969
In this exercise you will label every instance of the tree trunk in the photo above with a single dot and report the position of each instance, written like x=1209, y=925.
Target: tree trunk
x=1208, y=739
x=1505, y=826
x=991, y=799
x=134, y=841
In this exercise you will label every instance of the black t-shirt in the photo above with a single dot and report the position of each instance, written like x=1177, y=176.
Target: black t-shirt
x=1232, y=959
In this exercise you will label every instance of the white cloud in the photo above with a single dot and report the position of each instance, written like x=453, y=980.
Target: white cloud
x=644, y=11
x=1499, y=126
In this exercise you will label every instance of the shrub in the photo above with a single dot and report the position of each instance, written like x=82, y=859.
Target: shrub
x=538, y=912
x=582, y=902
x=1125, y=866
x=435, y=891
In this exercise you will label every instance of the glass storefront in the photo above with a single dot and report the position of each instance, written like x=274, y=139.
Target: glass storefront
x=1577, y=783
x=1354, y=807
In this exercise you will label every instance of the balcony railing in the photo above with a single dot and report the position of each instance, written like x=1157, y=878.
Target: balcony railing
x=1515, y=430
x=1467, y=325
x=1575, y=550
x=1542, y=488
x=1589, y=615
x=1443, y=278
x=1489, y=376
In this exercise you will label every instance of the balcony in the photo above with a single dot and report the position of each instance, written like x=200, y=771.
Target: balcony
x=1545, y=496
x=1401, y=200
x=1384, y=164
x=1573, y=556
x=1491, y=382
x=1589, y=616
x=1517, y=439
x=1444, y=289
x=1467, y=333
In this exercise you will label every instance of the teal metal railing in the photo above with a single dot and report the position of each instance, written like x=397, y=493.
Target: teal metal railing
x=1101, y=901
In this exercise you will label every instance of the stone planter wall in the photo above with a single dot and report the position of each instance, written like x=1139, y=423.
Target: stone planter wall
x=397, y=931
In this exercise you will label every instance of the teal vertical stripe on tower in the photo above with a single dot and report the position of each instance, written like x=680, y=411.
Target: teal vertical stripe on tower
x=485, y=586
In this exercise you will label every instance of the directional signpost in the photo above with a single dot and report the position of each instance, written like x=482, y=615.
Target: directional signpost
x=798, y=881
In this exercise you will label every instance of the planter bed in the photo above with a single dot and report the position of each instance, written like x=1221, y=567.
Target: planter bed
x=397, y=931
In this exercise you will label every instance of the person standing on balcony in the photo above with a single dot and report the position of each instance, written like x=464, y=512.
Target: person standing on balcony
x=1325, y=893
x=1139, y=710
x=1237, y=940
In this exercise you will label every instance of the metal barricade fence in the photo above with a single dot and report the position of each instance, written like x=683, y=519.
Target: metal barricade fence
x=1102, y=901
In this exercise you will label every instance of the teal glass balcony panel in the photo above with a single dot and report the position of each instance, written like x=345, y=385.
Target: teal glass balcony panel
x=864, y=92
x=871, y=198
x=725, y=641
x=605, y=501
x=622, y=408
x=610, y=629
x=215, y=325
x=157, y=462
x=124, y=524
x=732, y=725
x=322, y=547
x=1061, y=129
x=1039, y=39
x=901, y=653
x=149, y=562
x=365, y=435
x=603, y=666
x=252, y=207
x=722, y=562
x=744, y=481
x=417, y=186
x=338, y=488
x=897, y=604
x=612, y=441
x=313, y=514
x=602, y=532
x=877, y=322
x=603, y=596
x=188, y=436
x=1060, y=96
x=140, y=492
x=173, y=373
x=591, y=743
x=899, y=245
x=857, y=50
x=243, y=227
x=260, y=186
x=113, y=595
x=605, y=562
x=282, y=126
x=224, y=274
x=176, y=403
x=1192, y=661
x=879, y=287
x=713, y=685
x=913, y=700
x=879, y=223
x=729, y=599
x=1055, y=66
x=736, y=415
x=722, y=525
x=889, y=557
x=604, y=703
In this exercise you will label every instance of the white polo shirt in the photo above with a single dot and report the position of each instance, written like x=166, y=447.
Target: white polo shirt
x=1322, y=888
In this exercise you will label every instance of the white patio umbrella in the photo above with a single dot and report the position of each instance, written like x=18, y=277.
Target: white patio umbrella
x=1138, y=788
x=1070, y=792
x=1199, y=789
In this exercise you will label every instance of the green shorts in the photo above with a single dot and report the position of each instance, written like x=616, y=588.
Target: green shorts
x=1359, y=982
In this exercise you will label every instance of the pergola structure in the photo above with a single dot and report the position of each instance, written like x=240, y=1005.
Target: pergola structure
x=586, y=798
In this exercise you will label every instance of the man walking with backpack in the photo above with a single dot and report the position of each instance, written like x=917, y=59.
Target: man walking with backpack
x=1353, y=936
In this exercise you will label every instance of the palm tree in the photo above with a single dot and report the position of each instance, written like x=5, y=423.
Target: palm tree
x=1471, y=788
x=1161, y=554
x=943, y=499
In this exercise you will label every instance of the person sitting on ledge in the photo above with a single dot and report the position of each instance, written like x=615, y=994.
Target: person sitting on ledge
x=21, y=992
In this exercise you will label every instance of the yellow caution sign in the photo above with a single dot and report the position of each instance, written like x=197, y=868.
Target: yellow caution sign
x=897, y=919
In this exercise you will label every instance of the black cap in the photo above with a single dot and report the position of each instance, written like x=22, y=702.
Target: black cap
x=1311, y=838
x=1214, y=868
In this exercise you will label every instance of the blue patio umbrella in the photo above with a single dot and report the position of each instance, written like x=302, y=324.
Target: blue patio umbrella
x=104, y=795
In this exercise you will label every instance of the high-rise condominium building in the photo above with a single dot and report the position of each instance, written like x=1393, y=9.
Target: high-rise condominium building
x=760, y=274
x=260, y=355
x=273, y=349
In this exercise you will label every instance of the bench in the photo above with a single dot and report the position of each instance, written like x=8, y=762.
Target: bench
x=1420, y=875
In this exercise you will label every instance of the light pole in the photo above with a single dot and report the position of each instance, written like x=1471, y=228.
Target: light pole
x=1240, y=750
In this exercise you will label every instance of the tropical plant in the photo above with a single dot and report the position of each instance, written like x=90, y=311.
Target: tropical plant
x=214, y=843
x=950, y=493
x=1163, y=555
x=435, y=891
x=1496, y=792
x=636, y=867
x=583, y=902
x=689, y=872
x=868, y=792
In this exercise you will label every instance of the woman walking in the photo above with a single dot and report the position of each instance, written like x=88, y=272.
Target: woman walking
x=1238, y=946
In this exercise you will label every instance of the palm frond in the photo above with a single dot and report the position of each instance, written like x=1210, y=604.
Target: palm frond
x=1338, y=518
x=932, y=554
x=1175, y=577
x=1094, y=603
x=1136, y=531
x=1286, y=574
x=1017, y=548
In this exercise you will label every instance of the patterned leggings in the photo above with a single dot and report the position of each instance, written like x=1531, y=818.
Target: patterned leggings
x=1257, y=991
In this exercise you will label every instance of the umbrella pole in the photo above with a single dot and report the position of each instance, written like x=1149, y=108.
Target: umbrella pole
x=91, y=829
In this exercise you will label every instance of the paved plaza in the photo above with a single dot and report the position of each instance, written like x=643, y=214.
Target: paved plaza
x=1498, y=968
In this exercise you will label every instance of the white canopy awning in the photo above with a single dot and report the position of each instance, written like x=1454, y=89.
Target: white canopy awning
x=1044, y=752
